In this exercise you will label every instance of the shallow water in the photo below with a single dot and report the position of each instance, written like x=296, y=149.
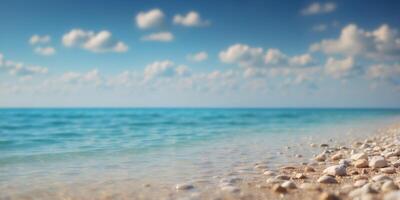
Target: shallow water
x=49, y=149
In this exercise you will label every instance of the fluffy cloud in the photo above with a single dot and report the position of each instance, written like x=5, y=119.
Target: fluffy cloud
x=386, y=73
x=380, y=44
x=341, y=68
x=164, y=68
x=37, y=39
x=198, y=57
x=150, y=19
x=319, y=8
x=45, y=51
x=160, y=37
x=92, y=41
x=19, y=68
x=191, y=19
x=249, y=57
x=92, y=76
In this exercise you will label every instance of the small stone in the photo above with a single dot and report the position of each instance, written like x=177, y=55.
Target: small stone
x=381, y=177
x=230, y=189
x=360, y=183
x=184, y=186
x=345, y=162
x=388, y=170
x=364, y=171
x=269, y=173
x=300, y=176
x=360, y=177
x=393, y=153
x=388, y=186
x=260, y=166
x=353, y=172
x=328, y=196
x=345, y=189
x=324, y=145
x=287, y=168
x=274, y=181
x=326, y=179
x=309, y=169
x=392, y=196
x=396, y=164
x=359, y=156
x=279, y=189
x=366, y=189
x=336, y=170
x=378, y=162
x=289, y=185
x=321, y=157
x=361, y=163
x=337, y=156
x=298, y=156
x=313, y=145
x=282, y=177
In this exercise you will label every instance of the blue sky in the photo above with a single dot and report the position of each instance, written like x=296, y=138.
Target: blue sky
x=200, y=53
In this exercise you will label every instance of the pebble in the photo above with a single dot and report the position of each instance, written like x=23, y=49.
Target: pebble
x=309, y=169
x=230, y=189
x=337, y=156
x=359, y=156
x=396, y=163
x=345, y=162
x=336, y=170
x=269, y=173
x=282, y=177
x=184, y=186
x=381, y=177
x=279, y=189
x=327, y=179
x=321, y=157
x=366, y=189
x=300, y=176
x=361, y=163
x=324, y=145
x=378, y=162
x=328, y=196
x=388, y=186
x=388, y=170
x=360, y=183
x=289, y=185
x=287, y=168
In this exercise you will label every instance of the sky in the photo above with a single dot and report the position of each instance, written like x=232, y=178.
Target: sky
x=118, y=53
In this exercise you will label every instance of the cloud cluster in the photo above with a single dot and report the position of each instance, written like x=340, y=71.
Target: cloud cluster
x=319, y=8
x=191, y=19
x=249, y=57
x=19, y=68
x=164, y=68
x=380, y=44
x=385, y=73
x=39, y=41
x=197, y=57
x=92, y=41
x=92, y=76
x=159, y=37
x=151, y=19
x=341, y=68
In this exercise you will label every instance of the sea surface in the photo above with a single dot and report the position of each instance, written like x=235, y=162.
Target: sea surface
x=48, y=149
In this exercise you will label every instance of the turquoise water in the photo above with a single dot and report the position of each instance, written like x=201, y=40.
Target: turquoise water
x=75, y=145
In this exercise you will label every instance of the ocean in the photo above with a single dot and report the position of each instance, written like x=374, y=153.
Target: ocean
x=44, y=150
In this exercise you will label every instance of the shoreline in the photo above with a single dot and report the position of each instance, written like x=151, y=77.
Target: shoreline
x=263, y=180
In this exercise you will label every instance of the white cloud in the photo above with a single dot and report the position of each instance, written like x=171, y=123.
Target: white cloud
x=160, y=37
x=92, y=76
x=164, y=68
x=247, y=56
x=37, y=39
x=380, y=44
x=341, y=68
x=198, y=57
x=191, y=19
x=319, y=8
x=150, y=19
x=94, y=42
x=386, y=73
x=45, y=51
x=19, y=68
